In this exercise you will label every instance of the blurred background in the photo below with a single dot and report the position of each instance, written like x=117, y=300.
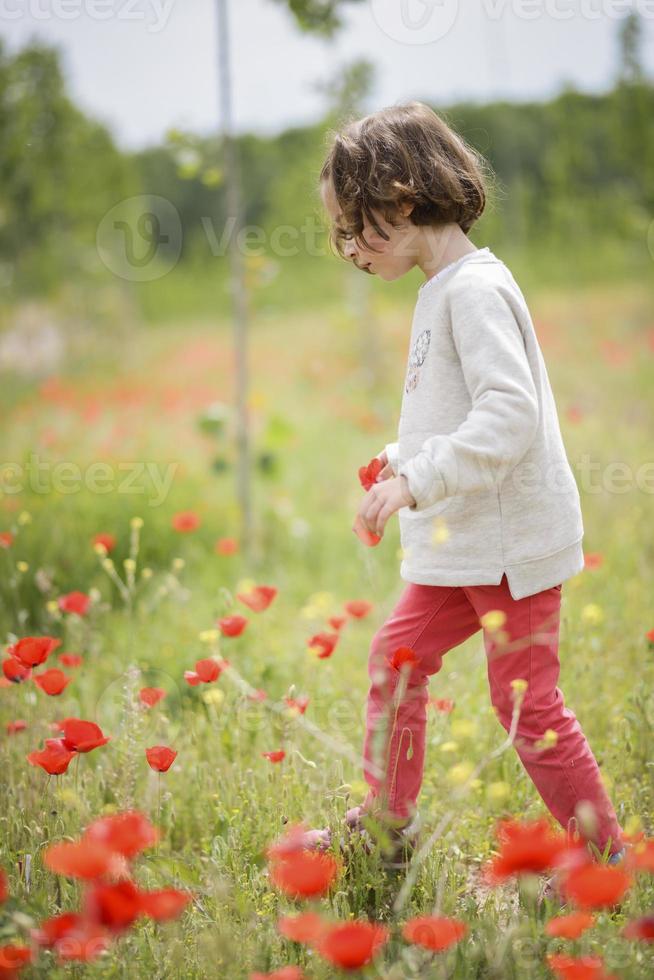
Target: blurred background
x=168, y=292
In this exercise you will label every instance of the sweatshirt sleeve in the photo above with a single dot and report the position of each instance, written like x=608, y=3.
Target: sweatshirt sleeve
x=392, y=454
x=503, y=419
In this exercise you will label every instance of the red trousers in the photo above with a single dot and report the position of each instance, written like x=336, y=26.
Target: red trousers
x=432, y=619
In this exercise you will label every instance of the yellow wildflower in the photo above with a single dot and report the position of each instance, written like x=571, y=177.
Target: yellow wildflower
x=498, y=790
x=463, y=727
x=459, y=774
x=449, y=746
x=440, y=531
x=592, y=614
x=493, y=620
x=213, y=696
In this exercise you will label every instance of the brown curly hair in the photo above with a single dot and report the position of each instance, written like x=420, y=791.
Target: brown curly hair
x=405, y=153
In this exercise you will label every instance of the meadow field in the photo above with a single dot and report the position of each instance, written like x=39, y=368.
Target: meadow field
x=139, y=606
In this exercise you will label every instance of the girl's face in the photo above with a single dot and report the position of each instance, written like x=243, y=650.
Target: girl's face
x=389, y=257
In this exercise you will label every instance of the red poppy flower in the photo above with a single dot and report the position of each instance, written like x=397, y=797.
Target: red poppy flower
x=13, y=959
x=226, y=546
x=71, y=659
x=358, y=608
x=434, y=932
x=151, y=695
x=160, y=757
x=569, y=926
x=258, y=598
x=642, y=928
x=115, y=906
x=127, y=833
x=641, y=856
x=595, y=886
x=352, y=945
x=74, y=602
x=192, y=678
x=82, y=736
x=6, y=539
x=593, y=559
x=369, y=538
x=54, y=758
x=284, y=973
x=574, y=414
x=31, y=651
x=185, y=520
x=13, y=727
x=208, y=670
x=368, y=474
x=304, y=873
x=232, y=625
x=55, y=928
x=83, y=858
x=307, y=927
x=649, y=636
x=325, y=642
x=578, y=968
x=257, y=695
x=401, y=656
x=15, y=672
x=337, y=622
x=72, y=936
x=105, y=539
x=4, y=887
x=300, y=704
x=528, y=846
x=276, y=756
x=292, y=840
x=52, y=682
x=164, y=904
x=442, y=704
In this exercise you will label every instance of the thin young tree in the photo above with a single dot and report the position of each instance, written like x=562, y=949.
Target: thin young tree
x=320, y=17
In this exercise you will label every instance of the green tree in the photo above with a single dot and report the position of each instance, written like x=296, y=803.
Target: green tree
x=59, y=173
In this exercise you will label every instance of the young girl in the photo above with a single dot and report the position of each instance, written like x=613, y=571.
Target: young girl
x=489, y=511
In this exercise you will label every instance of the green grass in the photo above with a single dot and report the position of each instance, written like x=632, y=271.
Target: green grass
x=319, y=409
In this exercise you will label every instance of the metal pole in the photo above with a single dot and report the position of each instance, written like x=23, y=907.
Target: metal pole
x=237, y=283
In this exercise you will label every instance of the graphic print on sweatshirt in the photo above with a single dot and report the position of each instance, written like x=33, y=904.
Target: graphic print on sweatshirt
x=416, y=359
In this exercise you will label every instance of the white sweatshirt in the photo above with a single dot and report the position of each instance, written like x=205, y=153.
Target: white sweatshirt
x=479, y=440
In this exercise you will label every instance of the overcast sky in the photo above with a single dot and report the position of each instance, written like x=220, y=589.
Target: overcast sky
x=151, y=64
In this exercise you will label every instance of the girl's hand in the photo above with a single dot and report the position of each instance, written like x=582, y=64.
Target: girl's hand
x=387, y=472
x=382, y=500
